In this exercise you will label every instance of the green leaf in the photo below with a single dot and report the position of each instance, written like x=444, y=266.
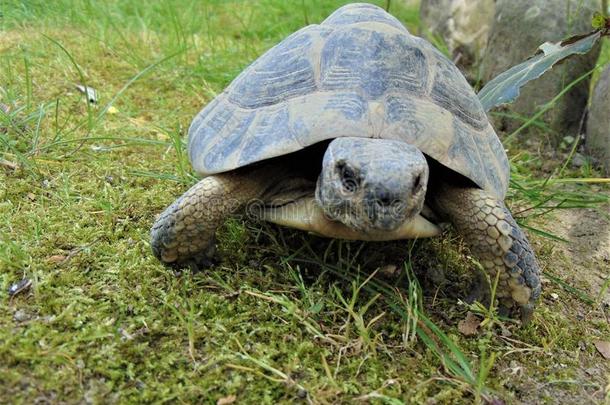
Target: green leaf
x=600, y=21
x=504, y=88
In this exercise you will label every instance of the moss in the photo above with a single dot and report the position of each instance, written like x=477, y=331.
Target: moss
x=105, y=322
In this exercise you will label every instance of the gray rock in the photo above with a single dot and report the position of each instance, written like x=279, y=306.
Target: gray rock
x=21, y=316
x=520, y=27
x=463, y=26
x=578, y=160
x=597, y=141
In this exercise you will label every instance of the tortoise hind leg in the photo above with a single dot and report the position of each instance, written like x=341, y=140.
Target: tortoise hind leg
x=496, y=240
x=185, y=232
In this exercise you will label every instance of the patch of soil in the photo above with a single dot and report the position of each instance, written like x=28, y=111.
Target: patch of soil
x=585, y=259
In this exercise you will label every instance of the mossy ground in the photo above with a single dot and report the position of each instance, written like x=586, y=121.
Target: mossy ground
x=282, y=317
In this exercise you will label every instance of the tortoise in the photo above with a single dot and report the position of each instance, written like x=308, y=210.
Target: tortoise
x=353, y=129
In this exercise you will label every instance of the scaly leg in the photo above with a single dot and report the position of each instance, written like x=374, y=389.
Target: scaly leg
x=498, y=243
x=185, y=231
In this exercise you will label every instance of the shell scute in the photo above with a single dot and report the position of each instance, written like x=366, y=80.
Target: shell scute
x=373, y=62
x=359, y=74
x=352, y=106
x=362, y=13
x=452, y=92
x=258, y=140
x=287, y=72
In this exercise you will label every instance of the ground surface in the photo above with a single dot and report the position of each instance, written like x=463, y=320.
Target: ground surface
x=285, y=316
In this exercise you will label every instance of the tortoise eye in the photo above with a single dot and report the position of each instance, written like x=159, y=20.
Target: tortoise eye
x=349, y=179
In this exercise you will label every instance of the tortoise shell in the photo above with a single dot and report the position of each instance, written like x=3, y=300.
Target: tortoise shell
x=359, y=73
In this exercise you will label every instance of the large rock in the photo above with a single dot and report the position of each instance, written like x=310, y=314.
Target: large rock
x=597, y=140
x=463, y=26
x=520, y=26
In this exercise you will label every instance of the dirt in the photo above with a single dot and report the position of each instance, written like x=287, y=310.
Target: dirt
x=585, y=258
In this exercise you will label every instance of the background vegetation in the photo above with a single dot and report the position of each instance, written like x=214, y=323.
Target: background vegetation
x=285, y=316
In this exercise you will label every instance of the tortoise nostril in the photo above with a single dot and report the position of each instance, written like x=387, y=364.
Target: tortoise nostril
x=417, y=184
x=384, y=198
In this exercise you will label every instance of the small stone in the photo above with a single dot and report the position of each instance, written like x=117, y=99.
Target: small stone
x=20, y=316
x=603, y=347
x=578, y=160
x=554, y=296
x=592, y=371
x=388, y=271
x=568, y=140
x=19, y=287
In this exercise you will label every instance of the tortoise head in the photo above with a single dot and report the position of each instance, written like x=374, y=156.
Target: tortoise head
x=372, y=184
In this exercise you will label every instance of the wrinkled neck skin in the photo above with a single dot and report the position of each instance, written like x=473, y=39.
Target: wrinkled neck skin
x=372, y=185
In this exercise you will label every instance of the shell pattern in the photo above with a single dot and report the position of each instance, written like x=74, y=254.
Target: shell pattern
x=359, y=73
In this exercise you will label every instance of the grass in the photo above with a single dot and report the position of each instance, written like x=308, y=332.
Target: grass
x=285, y=316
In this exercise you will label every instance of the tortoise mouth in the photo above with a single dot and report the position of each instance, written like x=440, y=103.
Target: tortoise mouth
x=306, y=214
x=367, y=217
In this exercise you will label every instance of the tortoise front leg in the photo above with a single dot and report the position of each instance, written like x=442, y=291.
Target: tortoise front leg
x=498, y=243
x=185, y=231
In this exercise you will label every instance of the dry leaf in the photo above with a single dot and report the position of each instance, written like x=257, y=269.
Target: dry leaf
x=469, y=325
x=226, y=400
x=57, y=258
x=603, y=348
x=389, y=271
